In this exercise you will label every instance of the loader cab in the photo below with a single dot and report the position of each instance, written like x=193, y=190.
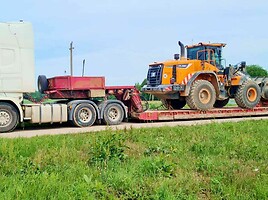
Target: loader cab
x=211, y=53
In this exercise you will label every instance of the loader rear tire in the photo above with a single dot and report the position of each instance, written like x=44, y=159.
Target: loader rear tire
x=221, y=103
x=248, y=95
x=202, y=95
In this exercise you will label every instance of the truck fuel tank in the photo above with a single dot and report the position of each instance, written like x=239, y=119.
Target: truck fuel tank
x=45, y=113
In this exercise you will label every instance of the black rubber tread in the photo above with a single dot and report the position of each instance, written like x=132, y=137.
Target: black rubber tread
x=241, y=95
x=13, y=114
x=221, y=103
x=175, y=103
x=42, y=83
x=107, y=119
x=77, y=121
x=193, y=100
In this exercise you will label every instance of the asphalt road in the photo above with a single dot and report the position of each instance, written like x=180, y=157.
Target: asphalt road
x=58, y=129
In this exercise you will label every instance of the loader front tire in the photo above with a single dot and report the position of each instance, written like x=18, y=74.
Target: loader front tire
x=202, y=95
x=248, y=95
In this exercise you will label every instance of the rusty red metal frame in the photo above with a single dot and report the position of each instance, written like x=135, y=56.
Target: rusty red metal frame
x=162, y=115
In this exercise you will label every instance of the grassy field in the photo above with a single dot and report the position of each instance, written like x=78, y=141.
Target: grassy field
x=216, y=161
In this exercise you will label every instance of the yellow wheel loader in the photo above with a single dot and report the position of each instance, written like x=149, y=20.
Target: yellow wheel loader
x=201, y=80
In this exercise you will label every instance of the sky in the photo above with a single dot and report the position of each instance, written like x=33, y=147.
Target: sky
x=120, y=38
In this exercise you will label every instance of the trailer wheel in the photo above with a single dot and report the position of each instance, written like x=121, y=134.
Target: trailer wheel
x=42, y=83
x=248, y=95
x=8, y=117
x=175, y=103
x=84, y=115
x=113, y=114
x=221, y=103
x=202, y=95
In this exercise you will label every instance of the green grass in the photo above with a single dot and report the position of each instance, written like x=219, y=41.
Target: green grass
x=216, y=161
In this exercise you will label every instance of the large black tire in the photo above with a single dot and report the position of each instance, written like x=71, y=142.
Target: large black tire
x=84, y=115
x=175, y=103
x=42, y=83
x=9, y=117
x=202, y=95
x=113, y=114
x=221, y=103
x=248, y=95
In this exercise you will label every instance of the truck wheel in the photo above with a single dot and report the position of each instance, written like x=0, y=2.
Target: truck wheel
x=176, y=103
x=202, y=95
x=248, y=95
x=42, y=83
x=113, y=114
x=8, y=117
x=221, y=103
x=84, y=115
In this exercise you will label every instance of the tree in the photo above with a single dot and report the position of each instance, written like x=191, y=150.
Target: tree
x=139, y=86
x=256, y=71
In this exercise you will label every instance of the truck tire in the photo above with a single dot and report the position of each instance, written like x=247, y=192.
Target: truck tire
x=202, y=95
x=42, y=83
x=221, y=103
x=113, y=114
x=84, y=115
x=175, y=103
x=9, y=117
x=248, y=95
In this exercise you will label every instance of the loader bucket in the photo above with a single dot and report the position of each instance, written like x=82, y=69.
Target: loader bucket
x=263, y=83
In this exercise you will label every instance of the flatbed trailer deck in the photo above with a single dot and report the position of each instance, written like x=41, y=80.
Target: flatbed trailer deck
x=183, y=114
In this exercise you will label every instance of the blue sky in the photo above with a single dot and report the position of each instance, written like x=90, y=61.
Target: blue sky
x=120, y=38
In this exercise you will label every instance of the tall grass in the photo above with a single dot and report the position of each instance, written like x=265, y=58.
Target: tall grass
x=215, y=161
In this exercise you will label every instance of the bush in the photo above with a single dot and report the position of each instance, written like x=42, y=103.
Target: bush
x=256, y=71
x=108, y=148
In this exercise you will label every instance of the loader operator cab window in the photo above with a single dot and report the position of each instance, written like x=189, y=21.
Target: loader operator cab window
x=206, y=53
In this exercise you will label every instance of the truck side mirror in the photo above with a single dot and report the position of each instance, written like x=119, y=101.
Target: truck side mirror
x=176, y=56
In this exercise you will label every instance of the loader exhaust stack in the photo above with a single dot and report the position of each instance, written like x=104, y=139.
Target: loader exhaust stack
x=182, y=49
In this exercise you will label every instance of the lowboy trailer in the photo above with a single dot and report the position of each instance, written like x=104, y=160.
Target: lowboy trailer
x=188, y=114
x=82, y=101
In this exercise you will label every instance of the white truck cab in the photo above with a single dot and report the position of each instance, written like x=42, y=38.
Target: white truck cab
x=17, y=76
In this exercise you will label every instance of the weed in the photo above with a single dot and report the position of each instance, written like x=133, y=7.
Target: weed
x=107, y=148
x=157, y=166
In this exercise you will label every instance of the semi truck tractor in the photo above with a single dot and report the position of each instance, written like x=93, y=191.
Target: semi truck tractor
x=82, y=101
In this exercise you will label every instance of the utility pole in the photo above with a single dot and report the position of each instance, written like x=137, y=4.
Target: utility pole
x=71, y=58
